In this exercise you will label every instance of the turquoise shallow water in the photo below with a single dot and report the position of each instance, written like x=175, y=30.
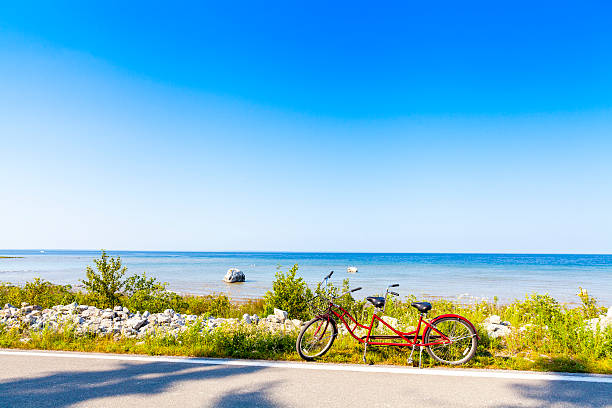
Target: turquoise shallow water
x=464, y=276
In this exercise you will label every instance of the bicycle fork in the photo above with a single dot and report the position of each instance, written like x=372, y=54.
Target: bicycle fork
x=410, y=360
x=365, y=350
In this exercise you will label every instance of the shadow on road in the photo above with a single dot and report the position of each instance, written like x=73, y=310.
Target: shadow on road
x=562, y=394
x=66, y=388
x=246, y=398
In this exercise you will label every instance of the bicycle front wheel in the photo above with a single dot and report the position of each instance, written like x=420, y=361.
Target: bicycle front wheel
x=316, y=338
x=462, y=343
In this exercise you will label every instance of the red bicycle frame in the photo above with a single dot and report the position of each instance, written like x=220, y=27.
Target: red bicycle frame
x=370, y=339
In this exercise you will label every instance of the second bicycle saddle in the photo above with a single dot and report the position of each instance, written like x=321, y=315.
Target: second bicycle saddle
x=422, y=307
x=377, y=301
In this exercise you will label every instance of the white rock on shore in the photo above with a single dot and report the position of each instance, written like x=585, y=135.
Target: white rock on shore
x=495, y=327
x=281, y=315
x=600, y=323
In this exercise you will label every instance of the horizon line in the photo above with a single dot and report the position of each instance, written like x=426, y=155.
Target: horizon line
x=309, y=252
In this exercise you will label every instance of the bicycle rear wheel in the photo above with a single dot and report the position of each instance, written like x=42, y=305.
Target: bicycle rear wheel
x=316, y=338
x=462, y=345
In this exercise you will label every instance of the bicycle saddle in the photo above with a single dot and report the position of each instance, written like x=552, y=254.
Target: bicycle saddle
x=377, y=301
x=421, y=306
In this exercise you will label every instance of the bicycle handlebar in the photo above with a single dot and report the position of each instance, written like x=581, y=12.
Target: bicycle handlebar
x=346, y=293
x=394, y=293
x=395, y=285
x=329, y=276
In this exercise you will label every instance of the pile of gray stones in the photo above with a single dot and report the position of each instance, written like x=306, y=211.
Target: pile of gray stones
x=119, y=322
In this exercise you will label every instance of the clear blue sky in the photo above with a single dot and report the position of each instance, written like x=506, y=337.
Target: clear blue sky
x=282, y=126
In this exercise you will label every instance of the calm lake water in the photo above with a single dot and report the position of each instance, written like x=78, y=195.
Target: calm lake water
x=457, y=276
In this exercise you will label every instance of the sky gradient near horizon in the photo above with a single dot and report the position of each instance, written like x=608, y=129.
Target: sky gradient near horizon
x=306, y=127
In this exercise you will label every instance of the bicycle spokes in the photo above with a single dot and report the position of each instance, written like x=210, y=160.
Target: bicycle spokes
x=316, y=337
x=459, y=341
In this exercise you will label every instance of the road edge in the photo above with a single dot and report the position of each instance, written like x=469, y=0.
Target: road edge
x=457, y=372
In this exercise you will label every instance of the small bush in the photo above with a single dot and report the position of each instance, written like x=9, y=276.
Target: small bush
x=289, y=293
x=9, y=294
x=210, y=305
x=589, y=304
x=104, y=287
x=38, y=292
x=45, y=294
x=143, y=293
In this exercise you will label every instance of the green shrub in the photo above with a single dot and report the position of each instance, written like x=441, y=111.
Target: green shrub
x=347, y=302
x=589, y=304
x=37, y=292
x=209, y=305
x=45, y=294
x=290, y=294
x=9, y=294
x=104, y=287
x=143, y=293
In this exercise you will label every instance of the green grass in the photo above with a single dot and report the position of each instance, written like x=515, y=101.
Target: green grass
x=256, y=343
x=240, y=342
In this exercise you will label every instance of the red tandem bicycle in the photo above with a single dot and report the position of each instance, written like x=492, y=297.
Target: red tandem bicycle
x=448, y=338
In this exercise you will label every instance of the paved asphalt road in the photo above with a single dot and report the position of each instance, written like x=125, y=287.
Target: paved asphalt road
x=47, y=379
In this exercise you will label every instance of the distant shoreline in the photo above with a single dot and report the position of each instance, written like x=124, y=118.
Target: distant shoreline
x=155, y=251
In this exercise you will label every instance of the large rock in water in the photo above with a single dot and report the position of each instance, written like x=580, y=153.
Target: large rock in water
x=234, y=275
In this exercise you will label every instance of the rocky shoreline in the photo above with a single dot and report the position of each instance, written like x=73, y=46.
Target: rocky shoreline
x=120, y=322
